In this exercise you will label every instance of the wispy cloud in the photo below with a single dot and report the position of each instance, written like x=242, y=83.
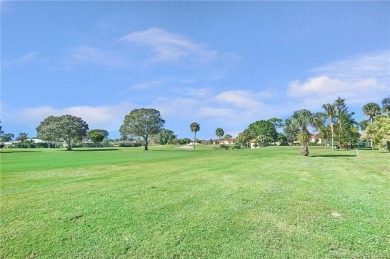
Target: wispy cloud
x=27, y=58
x=147, y=85
x=169, y=47
x=371, y=65
x=4, y=5
x=244, y=99
x=86, y=55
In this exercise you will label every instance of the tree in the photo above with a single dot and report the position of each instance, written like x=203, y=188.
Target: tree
x=263, y=131
x=97, y=135
x=219, y=133
x=371, y=110
x=228, y=136
x=341, y=114
x=194, y=127
x=165, y=136
x=380, y=132
x=244, y=137
x=330, y=112
x=319, y=123
x=290, y=130
x=282, y=139
x=66, y=127
x=143, y=123
x=22, y=137
x=386, y=104
x=277, y=122
x=302, y=119
x=7, y=137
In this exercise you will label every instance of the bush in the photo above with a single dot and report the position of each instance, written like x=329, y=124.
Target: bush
x=223, y=146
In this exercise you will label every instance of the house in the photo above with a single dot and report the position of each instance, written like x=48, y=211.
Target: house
x=315, y=138
x=253, y=143
x=227, y=141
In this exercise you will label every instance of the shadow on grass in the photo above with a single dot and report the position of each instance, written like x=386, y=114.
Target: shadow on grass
x=91, y=150
x=334, y=155
x=15, y=151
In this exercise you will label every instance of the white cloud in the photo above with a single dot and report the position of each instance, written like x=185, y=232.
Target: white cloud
x=91, y=55
x=244, y=99
x=372, y=65
x=147, y=85
x=169, y=47
x=359, y=80
x=105, y=117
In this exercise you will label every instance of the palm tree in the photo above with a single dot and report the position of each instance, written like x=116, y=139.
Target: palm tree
x=371, y=110
x=386, y=104
x=341, y=115
x=302, y=119
x=330, y=112
x=319, y=123
x=195, y=127
x=219, y=133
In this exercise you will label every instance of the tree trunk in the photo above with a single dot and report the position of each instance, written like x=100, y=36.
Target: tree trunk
x=372, y=147
x=69, y=145
x=146, y=144
x=305, y=150
x=194, y=139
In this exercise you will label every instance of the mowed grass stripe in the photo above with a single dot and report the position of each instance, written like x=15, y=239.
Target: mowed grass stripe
x=197, y=203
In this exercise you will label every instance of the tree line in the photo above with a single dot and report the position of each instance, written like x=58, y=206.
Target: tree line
x=335, y=123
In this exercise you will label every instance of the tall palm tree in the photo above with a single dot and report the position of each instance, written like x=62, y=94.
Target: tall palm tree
x=386, y=104
x=371, y=110
x=330, y=112
x=219, y=133
x=319, y=123
x=302, y=119
x=195, y=127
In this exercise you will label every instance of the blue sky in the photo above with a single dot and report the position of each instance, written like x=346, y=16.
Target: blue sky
x=221, y=64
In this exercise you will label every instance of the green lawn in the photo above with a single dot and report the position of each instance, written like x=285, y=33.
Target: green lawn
x=203, y=203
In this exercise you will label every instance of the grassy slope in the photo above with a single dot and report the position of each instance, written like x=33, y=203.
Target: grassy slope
x=204, y=203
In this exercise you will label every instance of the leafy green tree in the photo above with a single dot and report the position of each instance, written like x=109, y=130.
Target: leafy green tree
x=22, y=137
x=264, y=131
x=194, y=127
x=302, y=119
x=319, y=123
x=165, y=137
x=341, y=114
x=386, y=104
x=330, y=112
x=66, y=127
x=277, y=122
x=47, y=130
x=363, y=126
x=371, y=110
x=227, y=136
x=143, y=123
x=380, y=132
x=7, y=137
x=219, y=133
x=97, y=135
x=282, y=139
x=290, y=131
x=244, y=137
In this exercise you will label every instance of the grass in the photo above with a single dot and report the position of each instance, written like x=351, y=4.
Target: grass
x=170, y=202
